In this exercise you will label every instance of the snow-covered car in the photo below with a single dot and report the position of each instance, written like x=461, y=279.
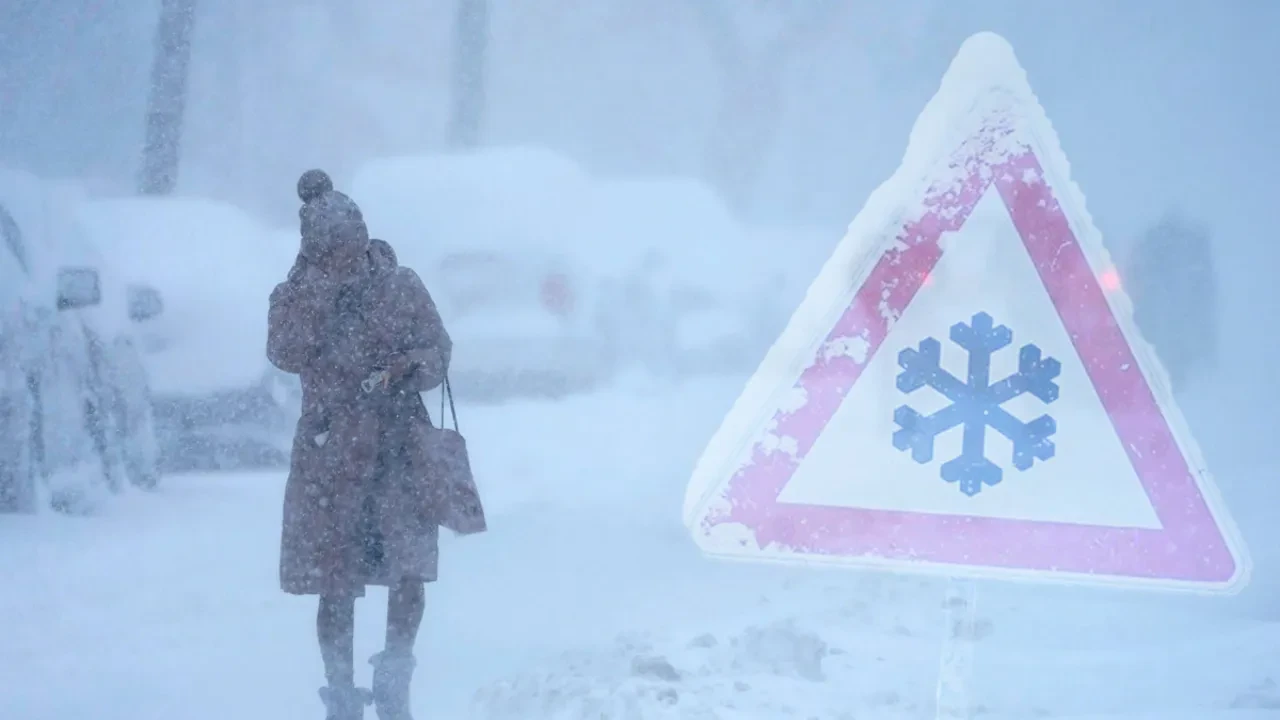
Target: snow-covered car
x=491, y=235
x=218, y=403
x=516, y=321
x=713, y=335
x=652, y=272
x=689, y=294
x=73, y=420
x=115, y=357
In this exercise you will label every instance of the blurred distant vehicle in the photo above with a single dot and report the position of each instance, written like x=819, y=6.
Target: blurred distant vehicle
x=74, y=412
x=116, y=360
x=492, y=235
x=553, y=281
x=1171, y=280
x=218, y=403
x=713, y=333
x=671, y=326
x=520, y=322
x=694, y=291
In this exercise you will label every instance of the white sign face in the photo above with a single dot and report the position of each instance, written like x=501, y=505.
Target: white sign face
x=885, y=478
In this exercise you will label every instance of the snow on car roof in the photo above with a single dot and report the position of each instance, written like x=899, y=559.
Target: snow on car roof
x=503, y=199
x=680, y=219
x=214, y=266
x=52, y=238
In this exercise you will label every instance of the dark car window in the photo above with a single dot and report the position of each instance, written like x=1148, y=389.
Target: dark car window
x=12, y=237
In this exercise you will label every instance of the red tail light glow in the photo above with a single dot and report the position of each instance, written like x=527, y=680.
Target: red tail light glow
x=1110, y=280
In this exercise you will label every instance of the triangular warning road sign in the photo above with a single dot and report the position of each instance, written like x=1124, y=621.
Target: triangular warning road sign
x=963, y=390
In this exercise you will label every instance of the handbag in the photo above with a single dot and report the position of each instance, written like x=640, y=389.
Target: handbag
x=458, y=499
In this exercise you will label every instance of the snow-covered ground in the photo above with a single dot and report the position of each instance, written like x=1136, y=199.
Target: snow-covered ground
x=585, y=600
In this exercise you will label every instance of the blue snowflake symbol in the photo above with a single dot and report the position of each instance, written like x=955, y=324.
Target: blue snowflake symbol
x=976, y=403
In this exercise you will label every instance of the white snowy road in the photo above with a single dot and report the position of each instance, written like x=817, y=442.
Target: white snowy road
x=586, y=600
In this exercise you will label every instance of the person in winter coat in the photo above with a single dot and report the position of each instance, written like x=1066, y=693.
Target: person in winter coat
x=1173, y=284
x=365, y=338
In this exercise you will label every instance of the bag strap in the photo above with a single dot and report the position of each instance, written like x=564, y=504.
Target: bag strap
x=446, y=390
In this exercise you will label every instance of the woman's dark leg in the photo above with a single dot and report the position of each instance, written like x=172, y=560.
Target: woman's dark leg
x=335, y=627
x=393, y=667
x=406, y=603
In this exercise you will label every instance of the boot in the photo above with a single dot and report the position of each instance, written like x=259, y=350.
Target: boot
x=345, y=703
x=391, y=675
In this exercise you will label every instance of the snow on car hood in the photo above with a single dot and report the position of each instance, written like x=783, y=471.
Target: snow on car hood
x=214, y=266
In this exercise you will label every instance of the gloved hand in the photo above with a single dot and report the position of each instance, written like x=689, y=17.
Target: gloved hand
x=394, y=369
x=398, y=366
